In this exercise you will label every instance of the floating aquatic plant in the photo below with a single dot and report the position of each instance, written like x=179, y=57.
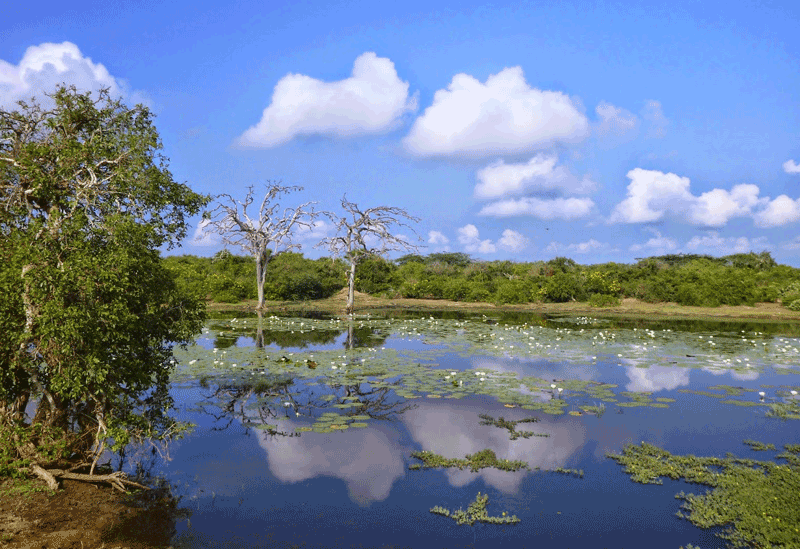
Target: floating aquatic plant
x=475, y=462
x=755, y=501
x=476, y=512
x=511, y=426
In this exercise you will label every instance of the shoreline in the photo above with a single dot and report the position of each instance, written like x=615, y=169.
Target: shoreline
x=628, y=308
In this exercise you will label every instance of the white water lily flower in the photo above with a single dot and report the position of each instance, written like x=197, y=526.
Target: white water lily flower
x=287, y=404
x=552, y=385
x=453, y=373
x=192, y=361
x=761, y=393
x=560, y=389
x=483, y=379
x=793, y=392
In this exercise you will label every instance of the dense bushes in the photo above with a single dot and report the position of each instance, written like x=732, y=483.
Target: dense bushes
x=698, y=280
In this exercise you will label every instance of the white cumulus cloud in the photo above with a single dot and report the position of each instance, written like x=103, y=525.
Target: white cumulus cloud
x=652, y=195
x=590, y=245
x=372, y=100
x=47, y=65
x=658, y=244
x=715, y=244
x=716, y=207
x=778, y=212
x=540, y=174
x=503, y=115
x=790, y=166
x=558, y=208
x=469, y=237
x=437, y=238
x=513, y=241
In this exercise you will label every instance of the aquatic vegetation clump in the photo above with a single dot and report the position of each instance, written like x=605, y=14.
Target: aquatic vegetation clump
x=756, y=501
x=759, y=446
x=511, y=426
x=476, y=512
x=475, y=462
x=574, y=472
x=784, y=410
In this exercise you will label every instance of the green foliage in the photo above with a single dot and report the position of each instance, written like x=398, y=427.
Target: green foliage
x=603, y=300
x=291, y=277
x=375, y=275
x=755, y=500
x=88, y=310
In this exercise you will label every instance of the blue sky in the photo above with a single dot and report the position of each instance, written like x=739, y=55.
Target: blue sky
x=524, y=131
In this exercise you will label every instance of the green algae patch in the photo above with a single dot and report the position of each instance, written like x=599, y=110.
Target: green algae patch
x=754, y=501
x=476, y=512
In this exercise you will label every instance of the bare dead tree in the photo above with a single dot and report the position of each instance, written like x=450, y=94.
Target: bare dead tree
x=264, y=233
x=364, y=233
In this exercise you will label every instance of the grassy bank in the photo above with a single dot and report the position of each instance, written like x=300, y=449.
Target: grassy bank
x=629, y=308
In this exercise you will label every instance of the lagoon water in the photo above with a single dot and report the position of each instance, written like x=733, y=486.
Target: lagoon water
x=305, y=440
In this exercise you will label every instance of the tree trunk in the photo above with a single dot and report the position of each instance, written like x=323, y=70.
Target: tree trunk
x=260, y=278
x=351, y=287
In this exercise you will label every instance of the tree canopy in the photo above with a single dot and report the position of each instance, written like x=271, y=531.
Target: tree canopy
x=88, y=311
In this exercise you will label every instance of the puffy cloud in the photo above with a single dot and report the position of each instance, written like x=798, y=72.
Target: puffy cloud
x=650, y=194
x=437, y=238
x=202, y=237
x=372, y=100
x=513, y=241
x=504, y=115
x=47, y=65
x=718, y=245
x=778, y=212
x=716, y=207
x=790, y=166
x=614, y=121
x=468, y=236
x=657, y=122
x=558, y=208
x=539, y=174
x=658, y=243
x=316, y=231
x=653, y=194
x=581, y=248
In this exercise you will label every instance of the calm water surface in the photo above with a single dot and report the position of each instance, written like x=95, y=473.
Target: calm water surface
x=252, y=474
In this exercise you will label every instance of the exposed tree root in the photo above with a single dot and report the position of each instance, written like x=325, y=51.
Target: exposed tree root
x=116, y=479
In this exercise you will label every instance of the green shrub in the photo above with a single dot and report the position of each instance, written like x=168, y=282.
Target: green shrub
x=603, y=300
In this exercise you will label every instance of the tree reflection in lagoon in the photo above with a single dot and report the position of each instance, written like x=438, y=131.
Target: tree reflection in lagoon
x=374, y=399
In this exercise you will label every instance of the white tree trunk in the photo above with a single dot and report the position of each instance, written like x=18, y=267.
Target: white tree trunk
x=351, y=287
x=260, y=279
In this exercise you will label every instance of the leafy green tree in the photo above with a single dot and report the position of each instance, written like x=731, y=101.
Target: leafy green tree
x=88, y=311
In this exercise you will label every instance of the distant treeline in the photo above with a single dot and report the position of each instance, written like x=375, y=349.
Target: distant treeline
x=739, y=279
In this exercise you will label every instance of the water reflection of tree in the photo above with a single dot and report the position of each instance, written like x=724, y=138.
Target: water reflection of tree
x=363, y=336
x=375, y=402
x=271, y=398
